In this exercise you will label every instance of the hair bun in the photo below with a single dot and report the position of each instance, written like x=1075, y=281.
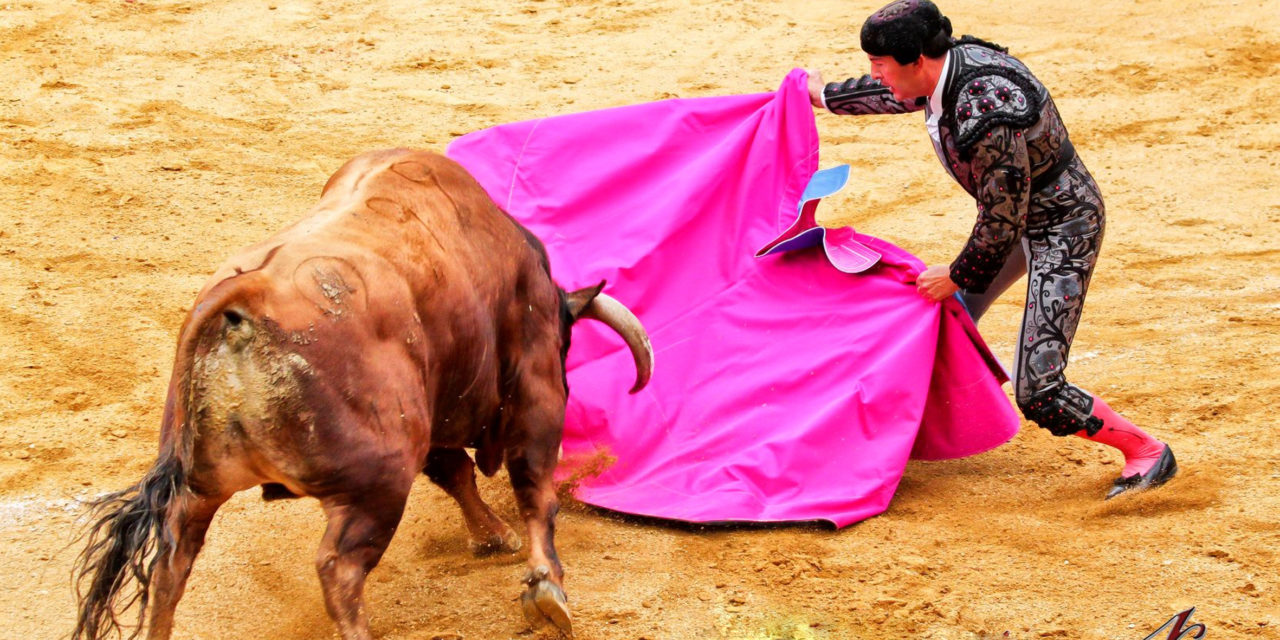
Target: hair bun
x=905, y=30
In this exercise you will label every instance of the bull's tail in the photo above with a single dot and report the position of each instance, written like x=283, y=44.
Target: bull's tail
x=126, y=538
x=128, y=532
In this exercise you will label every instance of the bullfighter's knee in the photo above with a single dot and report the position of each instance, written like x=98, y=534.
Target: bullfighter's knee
x=1063, y=409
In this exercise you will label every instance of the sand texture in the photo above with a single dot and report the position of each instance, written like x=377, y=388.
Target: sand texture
x=143, y=142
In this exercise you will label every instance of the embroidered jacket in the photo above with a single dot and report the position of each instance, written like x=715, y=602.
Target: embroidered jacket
x=1001, y=139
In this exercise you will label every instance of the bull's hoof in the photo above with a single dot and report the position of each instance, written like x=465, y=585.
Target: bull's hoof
x=544, y=602
x=507, y=542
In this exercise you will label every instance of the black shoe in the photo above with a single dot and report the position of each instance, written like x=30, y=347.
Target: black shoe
x=1165, y=468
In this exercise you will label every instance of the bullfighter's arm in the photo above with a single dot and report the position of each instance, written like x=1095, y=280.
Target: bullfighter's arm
x=859, y=96
x=1001, y=170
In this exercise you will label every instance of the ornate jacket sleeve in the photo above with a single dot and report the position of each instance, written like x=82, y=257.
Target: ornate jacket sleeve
x=1002, y=177
x=858, y=96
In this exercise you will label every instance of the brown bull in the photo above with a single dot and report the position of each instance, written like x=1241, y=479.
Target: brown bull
x=405, y=319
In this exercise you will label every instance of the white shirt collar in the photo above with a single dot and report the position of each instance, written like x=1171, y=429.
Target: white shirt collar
x=933, y=114
x=935, y=98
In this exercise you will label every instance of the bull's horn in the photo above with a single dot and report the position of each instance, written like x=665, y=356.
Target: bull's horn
x=619, y=318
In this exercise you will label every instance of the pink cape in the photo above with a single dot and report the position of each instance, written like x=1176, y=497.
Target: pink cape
x=784, y=388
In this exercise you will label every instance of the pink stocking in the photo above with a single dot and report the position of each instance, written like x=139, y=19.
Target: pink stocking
x=1141, y=451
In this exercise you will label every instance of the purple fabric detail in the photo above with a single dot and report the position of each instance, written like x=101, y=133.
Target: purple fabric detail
x=840, y=245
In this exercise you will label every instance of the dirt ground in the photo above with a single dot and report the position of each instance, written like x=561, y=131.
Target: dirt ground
x=142, y=142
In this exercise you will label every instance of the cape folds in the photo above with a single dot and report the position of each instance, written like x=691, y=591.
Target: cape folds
x=785, y=389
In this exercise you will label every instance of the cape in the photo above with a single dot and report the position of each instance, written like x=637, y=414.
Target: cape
x=786, y=387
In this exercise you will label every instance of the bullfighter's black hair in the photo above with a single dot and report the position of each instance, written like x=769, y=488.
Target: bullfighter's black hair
x=908, y=29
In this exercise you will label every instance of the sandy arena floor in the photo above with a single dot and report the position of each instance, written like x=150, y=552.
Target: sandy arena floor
x=141, y=142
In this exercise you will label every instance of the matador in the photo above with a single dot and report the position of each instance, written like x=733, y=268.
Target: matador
x=1039, y=212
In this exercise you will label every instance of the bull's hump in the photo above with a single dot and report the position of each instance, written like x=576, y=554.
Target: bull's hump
x=414, y=166
x=426, y=203
x=398, y=186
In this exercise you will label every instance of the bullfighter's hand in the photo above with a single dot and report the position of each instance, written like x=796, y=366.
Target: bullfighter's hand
x=816, y=85
x=935, y=283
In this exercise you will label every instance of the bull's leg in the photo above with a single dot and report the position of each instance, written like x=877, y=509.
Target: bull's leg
x=187, y=523
x=359, y=530
x=531, y=461
x=453, y=471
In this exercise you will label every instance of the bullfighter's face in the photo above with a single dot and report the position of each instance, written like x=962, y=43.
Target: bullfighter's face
x=906, y=81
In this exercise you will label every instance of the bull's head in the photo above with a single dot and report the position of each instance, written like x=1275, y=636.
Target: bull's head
x=590, y=302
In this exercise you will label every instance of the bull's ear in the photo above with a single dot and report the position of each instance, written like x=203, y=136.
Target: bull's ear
x=578, y=300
